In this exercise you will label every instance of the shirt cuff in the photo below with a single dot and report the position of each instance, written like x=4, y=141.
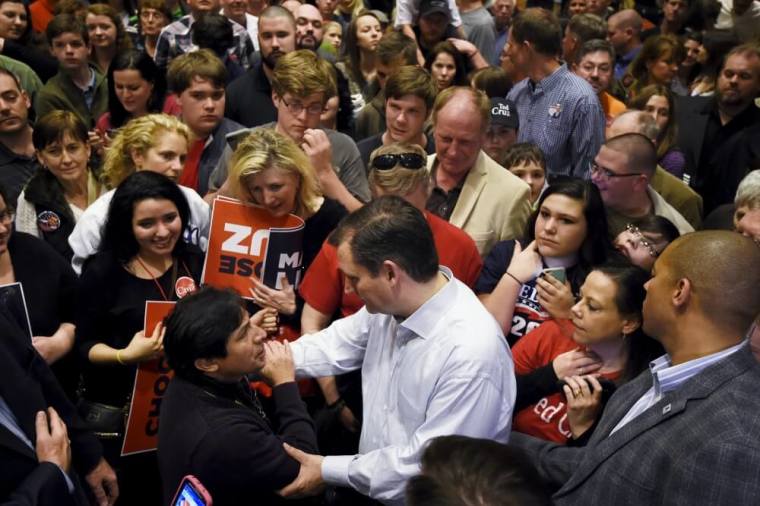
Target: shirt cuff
x=69, y=483
x=335, y=470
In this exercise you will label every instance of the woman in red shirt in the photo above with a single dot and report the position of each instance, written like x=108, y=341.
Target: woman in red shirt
x=605, y=327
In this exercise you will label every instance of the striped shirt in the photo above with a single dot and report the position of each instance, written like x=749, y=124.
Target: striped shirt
x=561, y=115
x=667, y=378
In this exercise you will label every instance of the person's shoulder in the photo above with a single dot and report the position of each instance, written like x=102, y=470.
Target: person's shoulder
x=448, y=231
x=339, y=139
x=370, y=143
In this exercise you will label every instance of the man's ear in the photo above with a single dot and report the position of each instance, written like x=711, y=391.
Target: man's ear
x=390, y=271
x=206, y=365
x=682, y=293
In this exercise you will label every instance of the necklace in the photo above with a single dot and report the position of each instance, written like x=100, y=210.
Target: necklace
x=145, y=268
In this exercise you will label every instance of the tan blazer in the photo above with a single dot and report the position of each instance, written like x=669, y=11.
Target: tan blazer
x=494, y=204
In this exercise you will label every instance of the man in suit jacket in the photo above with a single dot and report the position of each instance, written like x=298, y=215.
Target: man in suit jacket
x=35, y=469
x=687, y=431
x=471, y=190
x=719, y=135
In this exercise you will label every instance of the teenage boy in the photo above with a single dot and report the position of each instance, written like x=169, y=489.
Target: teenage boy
x=198, y=80
x=410, y=94
x=77, y=87
x=302, y=83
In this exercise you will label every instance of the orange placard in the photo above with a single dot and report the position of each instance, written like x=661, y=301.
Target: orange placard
x=245, y=240
x=151, y=381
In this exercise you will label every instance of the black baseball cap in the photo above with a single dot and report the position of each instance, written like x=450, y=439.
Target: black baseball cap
x=432, y=6
x=504, y=112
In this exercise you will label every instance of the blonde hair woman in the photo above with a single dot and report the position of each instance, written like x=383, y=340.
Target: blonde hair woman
x=156, y=143
x=270, y=170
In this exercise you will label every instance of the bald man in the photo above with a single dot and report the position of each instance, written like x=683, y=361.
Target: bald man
x=688, y=430
x=675, y=192
x=622, y=171
x=624, y=33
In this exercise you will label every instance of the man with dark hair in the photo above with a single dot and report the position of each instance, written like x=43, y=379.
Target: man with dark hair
x=177, y=38
x=409, y=100
x=686, y=431
x=421, y=379
x=198, y=80
x=393, y=51
x=568, y=122
x=249, y=98
x=622, y=171
x=212, y=424
x=457, y=468
x=594, y=63
x=624, y=33
x=309, y=29
x=77, y=87
x=17, y=160
x=677, y=193
x=581, y=29
x=720, y=135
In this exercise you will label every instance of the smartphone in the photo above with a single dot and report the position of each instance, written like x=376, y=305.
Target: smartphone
x=559, y=273
x=608, y=387
x=191, y=493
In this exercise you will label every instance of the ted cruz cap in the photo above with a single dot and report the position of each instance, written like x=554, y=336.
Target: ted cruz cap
x=504, y=112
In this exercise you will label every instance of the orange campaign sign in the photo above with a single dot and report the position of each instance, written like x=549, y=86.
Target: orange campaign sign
x=245, y=240
x=151, y=381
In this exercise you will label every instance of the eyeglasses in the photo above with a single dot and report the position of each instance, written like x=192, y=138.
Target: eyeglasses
x=606, y=173
x=7, y=215
x=406, y=160
x=634, y=230
x=297, y=108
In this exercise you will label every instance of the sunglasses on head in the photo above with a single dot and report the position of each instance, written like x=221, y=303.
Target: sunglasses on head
x=406, y=160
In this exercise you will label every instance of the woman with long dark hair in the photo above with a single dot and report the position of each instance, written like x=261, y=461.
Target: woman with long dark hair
x=358, y=60
x=598, y=348
x=136, y=87
x=142, y=257
x=567, y=231
x=447, y=66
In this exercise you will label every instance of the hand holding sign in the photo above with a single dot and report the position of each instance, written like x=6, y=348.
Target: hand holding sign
x=284, y=301
x=142, y=347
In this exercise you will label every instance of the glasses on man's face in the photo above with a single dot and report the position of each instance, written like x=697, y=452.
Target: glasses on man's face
x=297, y=108
x=634, y=230
x=605, y=173
x=7, y=215
x=406, y=160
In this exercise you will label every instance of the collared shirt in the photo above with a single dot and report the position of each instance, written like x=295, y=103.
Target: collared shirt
x=9, y=421
x=88, y=92
x=177, y=38
x=442, y=202
x=667, y=377
x=561, y=114
x=623, y=61
x=446, y=369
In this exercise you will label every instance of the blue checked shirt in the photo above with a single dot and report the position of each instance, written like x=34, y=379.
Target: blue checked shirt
x=561, y=115
x=667, y=378
x=177, y=38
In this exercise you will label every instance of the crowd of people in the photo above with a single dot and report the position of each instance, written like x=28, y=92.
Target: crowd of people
x=529, y=268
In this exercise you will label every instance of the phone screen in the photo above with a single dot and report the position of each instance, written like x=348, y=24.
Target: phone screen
x=557, y=272
x=189, y=496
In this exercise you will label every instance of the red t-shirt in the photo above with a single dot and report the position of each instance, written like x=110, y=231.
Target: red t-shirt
x=322, y=286
x=546, y=419
x=189, y=177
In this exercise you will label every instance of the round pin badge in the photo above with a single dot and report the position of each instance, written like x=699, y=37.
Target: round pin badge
x=48, y=221
x=184, y=286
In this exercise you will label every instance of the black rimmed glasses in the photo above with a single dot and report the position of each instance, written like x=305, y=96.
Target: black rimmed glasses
x=406, y=160
x=297, y=108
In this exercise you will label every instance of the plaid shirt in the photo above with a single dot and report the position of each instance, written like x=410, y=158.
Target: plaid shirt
x=177, y=38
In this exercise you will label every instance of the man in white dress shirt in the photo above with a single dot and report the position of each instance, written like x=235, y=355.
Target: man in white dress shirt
x=433, y=361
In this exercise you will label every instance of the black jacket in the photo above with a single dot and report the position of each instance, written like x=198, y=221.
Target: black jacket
x=27, y=386
x=215, y=432
x=46, y=193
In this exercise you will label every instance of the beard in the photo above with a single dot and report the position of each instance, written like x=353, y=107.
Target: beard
x=307, y=42
x=271, y=59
